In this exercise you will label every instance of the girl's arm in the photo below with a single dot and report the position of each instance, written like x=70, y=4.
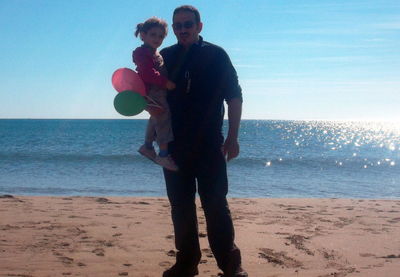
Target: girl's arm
x=146, y=70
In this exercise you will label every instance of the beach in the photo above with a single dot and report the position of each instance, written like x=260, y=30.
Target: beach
x=133, y=236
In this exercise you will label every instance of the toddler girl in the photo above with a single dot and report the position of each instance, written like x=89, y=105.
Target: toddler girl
x=150, y=67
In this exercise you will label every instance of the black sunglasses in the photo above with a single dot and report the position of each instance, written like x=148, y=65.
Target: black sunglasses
x=187, y=25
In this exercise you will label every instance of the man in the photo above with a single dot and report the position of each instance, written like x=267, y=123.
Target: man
x=204, y=78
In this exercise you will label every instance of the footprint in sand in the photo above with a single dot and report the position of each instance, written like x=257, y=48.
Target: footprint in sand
x=103, y=200
x=366, y=255
x=391, y=256
x=394, y=220
x=171, y=253
x=165, y=264
x=66, y=260
x=118, y=215
x=77, y=216
x=9, y=227
x=98, y=252
x=278, y=258
x=104, y=243
x=141, y=203
x=208, y=252
x=298, y=242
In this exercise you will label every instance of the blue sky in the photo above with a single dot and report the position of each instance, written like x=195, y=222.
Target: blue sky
x=335, y=60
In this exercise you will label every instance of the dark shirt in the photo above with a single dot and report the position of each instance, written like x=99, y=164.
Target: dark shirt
x=204, y=78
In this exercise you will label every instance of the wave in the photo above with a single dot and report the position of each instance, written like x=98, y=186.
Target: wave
x=73, y=157
x=244, y=162
x=318, y=162
x=75, y=191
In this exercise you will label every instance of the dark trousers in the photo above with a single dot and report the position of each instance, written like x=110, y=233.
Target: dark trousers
x=207, y=169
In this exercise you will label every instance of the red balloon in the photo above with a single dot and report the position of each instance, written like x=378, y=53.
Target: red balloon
x=127, y=79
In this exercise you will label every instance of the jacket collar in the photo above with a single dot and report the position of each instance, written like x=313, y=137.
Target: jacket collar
x=199, y=43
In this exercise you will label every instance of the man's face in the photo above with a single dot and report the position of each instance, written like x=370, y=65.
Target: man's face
x=186, y=29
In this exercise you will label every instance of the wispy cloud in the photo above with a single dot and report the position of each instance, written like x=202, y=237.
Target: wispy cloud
x=327, y=44
x=346, y=59
x=390, y=26
x=272, y=47
x=304, y=7
x=318, y=86
x=358, y=28
x=315, y=31
x=248, y=65
x=375, y=40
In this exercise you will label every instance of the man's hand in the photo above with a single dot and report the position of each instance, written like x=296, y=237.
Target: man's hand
x=230, y=149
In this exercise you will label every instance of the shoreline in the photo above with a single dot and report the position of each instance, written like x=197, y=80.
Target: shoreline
x=133, y=236
x=11, y=195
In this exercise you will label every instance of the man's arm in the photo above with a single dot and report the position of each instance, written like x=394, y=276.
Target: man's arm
x=231, y=148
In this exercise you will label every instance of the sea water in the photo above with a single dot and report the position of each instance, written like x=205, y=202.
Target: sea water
x=277, y=159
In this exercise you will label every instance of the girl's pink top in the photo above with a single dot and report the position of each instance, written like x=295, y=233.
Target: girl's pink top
x=150, y=66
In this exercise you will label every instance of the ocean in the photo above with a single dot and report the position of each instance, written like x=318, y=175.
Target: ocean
x=278, y=159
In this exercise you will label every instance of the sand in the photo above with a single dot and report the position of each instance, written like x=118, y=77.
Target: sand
x=127, y=236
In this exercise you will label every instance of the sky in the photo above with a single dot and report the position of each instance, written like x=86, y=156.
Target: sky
x=296, y=60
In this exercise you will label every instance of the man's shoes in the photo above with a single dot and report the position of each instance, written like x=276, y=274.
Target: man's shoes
x=148, y=153
x=178, y=271
x=167, y=162
x=239, y=272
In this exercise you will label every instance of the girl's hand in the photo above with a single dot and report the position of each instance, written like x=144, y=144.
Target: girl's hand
x=170, y=85
x=155, y=111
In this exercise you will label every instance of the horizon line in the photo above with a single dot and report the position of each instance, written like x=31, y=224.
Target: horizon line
x=225, y=119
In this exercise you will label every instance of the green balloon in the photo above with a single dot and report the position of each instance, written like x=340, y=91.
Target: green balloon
x=129, y=103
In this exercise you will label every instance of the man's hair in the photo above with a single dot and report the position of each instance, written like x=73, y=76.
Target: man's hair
x=151, y=23
x=188, y=8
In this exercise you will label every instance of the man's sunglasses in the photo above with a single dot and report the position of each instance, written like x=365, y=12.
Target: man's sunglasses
x=187, y=25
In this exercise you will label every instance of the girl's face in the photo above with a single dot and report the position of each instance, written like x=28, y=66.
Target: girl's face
x=153, y=37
